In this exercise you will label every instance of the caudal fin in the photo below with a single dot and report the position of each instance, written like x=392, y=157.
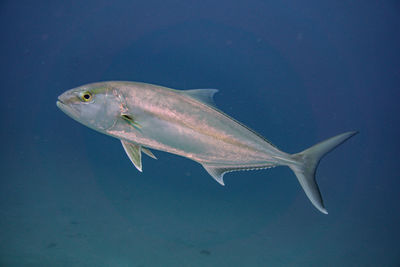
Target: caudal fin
x=307, y=162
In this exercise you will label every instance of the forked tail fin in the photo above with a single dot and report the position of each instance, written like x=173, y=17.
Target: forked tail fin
x=307, y=162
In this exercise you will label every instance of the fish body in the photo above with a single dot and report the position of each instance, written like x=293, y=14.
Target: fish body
x=186, y=123
x=176, y=122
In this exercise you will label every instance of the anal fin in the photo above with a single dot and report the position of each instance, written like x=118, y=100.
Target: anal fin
x=217, y=172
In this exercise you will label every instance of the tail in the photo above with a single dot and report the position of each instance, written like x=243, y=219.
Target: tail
x=307, y=162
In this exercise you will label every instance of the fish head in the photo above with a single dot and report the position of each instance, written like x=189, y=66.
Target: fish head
x=94, y=105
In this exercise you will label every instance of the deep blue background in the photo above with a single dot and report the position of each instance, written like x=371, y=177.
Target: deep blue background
x=295, y=71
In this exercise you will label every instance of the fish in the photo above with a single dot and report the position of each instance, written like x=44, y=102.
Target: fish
x=187, y=123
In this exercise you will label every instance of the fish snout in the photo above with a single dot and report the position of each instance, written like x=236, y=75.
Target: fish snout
x=66, y=97
x=65, y=102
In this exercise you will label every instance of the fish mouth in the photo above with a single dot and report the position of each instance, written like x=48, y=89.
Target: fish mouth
x=59, y=102
x=61, y=105
x=66, y=108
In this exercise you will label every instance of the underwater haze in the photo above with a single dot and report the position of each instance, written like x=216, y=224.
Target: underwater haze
x=297, y=72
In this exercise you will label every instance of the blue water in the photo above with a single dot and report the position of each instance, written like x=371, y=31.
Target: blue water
x=297, y=72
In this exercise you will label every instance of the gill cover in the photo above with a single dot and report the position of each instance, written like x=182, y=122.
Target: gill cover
x=94, y=105
x=102, y=112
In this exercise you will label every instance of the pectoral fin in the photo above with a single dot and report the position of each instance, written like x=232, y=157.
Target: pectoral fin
x=134, y=153
x=131, y=120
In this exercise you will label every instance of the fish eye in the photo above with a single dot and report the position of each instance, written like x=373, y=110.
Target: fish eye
x=86, y=96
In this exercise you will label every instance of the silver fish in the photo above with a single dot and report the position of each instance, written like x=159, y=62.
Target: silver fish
x=187, y=123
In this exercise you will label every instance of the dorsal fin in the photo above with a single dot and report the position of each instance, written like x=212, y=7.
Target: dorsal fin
x=204, y=95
